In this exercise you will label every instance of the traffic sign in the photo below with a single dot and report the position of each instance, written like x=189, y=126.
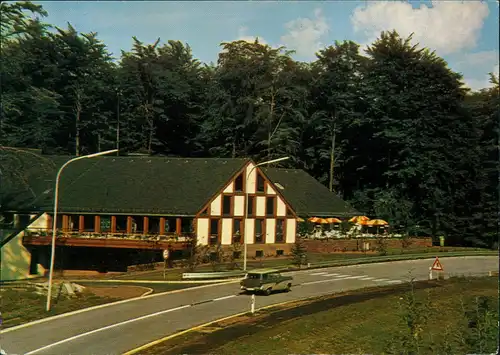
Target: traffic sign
x=166, y=254
x=437, y=265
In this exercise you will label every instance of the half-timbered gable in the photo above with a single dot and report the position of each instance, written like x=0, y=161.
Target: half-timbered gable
x=265, y=218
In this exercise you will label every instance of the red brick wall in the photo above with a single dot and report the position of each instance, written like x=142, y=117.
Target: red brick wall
x=339, y=245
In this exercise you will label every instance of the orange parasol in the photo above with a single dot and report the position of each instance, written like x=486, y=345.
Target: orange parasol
x=377, y=222
x=359, y=220
x=333, y=220
x=318, y=220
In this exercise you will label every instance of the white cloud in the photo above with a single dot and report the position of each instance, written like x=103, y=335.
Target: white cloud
x=447, y=26
x=242, y=36
x=304, y=34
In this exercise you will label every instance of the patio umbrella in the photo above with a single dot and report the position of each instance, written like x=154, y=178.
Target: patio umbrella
x=300, y=219
x=357, y=219
x=377, y=222
x=333, y=220
x=318, y=220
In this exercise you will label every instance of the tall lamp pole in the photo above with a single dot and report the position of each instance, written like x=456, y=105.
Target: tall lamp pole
x=246, y=206
x=54, y=224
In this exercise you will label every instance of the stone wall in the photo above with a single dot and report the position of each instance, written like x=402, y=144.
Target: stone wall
x=356, y=244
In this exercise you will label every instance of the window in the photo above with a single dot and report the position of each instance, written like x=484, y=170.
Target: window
x=251, y=203
x=260, y=183
x=259, y=231
x=214, y=232
x=238, y=183
x=280, y=230
x=259, y=254
x=279, y=252
x=236, y=230
x=236, y=255
x=226, y=205
x=270, y=202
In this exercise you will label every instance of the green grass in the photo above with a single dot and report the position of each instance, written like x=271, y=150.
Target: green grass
x=24, y=305
x=367, y=326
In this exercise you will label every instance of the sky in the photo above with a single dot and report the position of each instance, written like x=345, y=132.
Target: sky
x=464, y=33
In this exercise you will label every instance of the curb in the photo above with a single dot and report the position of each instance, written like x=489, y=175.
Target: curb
x=147, y=293
x=153, y=281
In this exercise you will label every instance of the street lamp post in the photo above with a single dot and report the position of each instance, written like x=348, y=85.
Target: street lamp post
x=54, y=224
x=246, y=206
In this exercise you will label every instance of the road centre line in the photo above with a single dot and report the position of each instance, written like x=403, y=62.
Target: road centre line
x=319, y=273
x=105, y=328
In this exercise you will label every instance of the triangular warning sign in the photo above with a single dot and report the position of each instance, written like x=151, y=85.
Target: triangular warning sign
x=437, y=265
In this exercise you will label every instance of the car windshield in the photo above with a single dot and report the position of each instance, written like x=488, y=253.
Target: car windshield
x=253, y=276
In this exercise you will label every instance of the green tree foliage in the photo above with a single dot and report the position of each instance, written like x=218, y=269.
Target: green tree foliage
x=391, y=129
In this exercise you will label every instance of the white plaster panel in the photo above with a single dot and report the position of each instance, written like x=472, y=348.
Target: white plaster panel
x=250, y=179
x=270, y=230
x=215, y=206
x=229, y=188
x=249, y=230
x=270, y=190
x=291, y=225
x=281, y=208
x=227, y=227
x=261, y=206
x=202, y=230
x=239, y=205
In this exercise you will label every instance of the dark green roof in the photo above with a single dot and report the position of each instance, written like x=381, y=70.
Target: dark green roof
x=307, y=196
x=138, y=184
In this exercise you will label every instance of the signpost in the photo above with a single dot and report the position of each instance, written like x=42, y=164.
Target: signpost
x=252, y=305
x=437, y=266
x=166, y=254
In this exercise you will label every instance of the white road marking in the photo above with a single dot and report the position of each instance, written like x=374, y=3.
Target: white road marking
x=381, y=280
x=367, y=278
x=329, y=275
x=319, y=273
x=352, y=277
x=340, y=276
x=105, y=328
x=395, y=281
x=224, y=298
x=321, y=281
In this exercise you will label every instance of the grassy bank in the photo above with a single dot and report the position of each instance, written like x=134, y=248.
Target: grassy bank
x=20, y=306
x=447, y=319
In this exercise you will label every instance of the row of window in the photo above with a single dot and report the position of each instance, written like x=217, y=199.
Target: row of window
x=259, y=231
x=239, y=183
x=228, y=209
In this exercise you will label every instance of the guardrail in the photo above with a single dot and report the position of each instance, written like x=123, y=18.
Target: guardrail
x=212, y=275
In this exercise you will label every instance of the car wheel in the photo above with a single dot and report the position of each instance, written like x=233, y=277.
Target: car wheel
x=268, y=291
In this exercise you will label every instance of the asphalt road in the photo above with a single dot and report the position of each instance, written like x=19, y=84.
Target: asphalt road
x=119, y=328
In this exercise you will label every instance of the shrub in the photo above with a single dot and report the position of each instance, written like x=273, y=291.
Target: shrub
x=299, y=252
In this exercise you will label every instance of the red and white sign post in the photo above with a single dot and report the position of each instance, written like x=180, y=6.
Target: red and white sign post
x=436, y=267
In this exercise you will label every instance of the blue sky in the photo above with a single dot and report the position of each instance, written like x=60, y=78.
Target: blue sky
x=464, y=33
